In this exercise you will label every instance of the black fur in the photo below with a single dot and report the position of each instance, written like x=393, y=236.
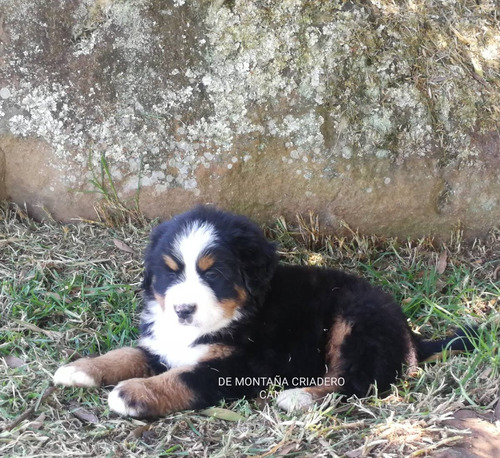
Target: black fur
x=286, y=321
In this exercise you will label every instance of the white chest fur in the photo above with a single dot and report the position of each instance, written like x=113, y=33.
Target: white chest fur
x=170, y=340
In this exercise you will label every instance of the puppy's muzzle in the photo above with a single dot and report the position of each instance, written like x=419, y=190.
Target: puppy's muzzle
x=185, y=312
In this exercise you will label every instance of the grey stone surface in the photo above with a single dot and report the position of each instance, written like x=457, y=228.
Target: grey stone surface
x=381, y=115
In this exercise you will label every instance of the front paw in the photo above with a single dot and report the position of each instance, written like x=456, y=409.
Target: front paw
x=80, y=373
x=134, y=398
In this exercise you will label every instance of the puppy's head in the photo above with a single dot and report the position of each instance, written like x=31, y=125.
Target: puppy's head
x=206, y=267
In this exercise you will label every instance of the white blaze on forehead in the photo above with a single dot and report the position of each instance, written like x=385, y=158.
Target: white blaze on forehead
x=196, y=238
x=191, y=243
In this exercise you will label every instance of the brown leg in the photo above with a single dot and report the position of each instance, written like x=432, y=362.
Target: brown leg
x=108, y=369
x=152, y=397
x=333, y=380
x=302, y=398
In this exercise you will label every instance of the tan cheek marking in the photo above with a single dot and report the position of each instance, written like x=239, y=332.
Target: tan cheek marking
x=170, y=262
x=242, y=295
x=230, y=306
x=160, y=299
x=205, y=262
x=217, y=351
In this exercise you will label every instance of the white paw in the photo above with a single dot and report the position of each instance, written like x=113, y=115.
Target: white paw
x=73, y=376
x=294, y=399
x=119, y=405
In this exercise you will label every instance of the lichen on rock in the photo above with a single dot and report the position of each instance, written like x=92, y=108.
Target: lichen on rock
x=188, y=98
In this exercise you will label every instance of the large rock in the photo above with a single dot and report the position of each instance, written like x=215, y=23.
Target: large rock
x=385, y=117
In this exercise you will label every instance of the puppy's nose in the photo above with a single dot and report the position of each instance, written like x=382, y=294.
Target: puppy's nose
x=184, y=310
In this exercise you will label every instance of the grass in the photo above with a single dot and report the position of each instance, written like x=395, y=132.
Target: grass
x=72, y=290
x=111, y=211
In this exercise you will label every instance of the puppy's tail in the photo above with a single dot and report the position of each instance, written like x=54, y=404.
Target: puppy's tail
x=462, y=340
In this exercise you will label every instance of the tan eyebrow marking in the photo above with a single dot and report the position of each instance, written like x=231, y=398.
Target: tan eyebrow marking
x=205, y=262
x=170, y=262
x=229, y=306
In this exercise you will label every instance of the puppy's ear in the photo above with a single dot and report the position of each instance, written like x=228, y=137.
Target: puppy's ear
x=154, y=238
x=257, y=257
x=156, y=233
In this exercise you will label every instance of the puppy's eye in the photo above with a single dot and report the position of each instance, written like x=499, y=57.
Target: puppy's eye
x=211, y=274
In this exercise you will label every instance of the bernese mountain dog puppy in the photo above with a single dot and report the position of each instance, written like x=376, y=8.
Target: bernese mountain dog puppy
x=223, y=320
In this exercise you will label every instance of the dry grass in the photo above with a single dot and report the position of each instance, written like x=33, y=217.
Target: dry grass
x=74, y=288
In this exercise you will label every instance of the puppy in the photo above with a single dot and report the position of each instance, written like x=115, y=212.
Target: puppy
x=223, y=320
